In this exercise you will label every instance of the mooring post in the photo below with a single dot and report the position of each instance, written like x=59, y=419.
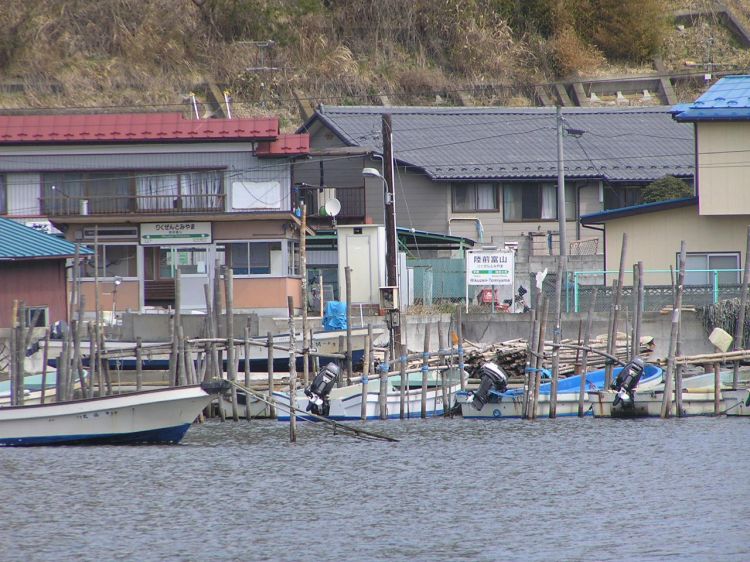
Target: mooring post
x=271, y=407
x=45, y=358
x=739, y=330
x=585, y=354
x=666, y=405
x=615, y=310
x=404, y=381
x=528, y=375
x=425, y=372
x=348, y=280
x=292, y=374
x=246, y=365
x=717, y=388
x=365, y=375
x=460, y=333
x=540, y=355
x=442, y=362
x=383, y=393
x=229, y=320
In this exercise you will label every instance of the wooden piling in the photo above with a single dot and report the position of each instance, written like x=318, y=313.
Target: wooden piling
x=615, y=310
x=739, y=329
x=303, y=291
x=365, y=375
x=45, y=358
x=556, y=337
x=348, y=282
x=528, y=375
x=717, y=388
x=425, y=372
x=540, y=356
x=231, y=352
x=271, y=407
x=139, y=363
x=246, y=365
x=585, y=354
x=442, y=346
x=460, y=333
x=666, y=405
x=404, y=351
x=292, y=374
x=383, y=389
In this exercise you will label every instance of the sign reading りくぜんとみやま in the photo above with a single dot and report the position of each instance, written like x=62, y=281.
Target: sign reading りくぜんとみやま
x=490, y=267
x=176, y=233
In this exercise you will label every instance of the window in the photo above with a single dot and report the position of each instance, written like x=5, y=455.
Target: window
x=273, y=257
x=618, y=196
x=699, y=268
x=189, y=260
x=114, y=261
x=37, y=316
x=536, y=201
x=3, y=196
x=469, y=197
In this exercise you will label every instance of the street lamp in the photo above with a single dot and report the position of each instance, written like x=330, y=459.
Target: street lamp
x=391, y=250
x=117, y=282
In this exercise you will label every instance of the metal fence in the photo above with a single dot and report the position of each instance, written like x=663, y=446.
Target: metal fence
x=441, y=281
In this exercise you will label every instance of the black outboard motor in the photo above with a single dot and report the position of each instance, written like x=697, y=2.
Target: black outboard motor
x=320, y=388
x=493, y=378
x=626, y=381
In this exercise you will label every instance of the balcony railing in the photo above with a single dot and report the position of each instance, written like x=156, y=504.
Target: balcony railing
x=141, y=204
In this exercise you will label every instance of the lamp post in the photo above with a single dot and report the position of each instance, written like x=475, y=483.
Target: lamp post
x=117, y=281
x=391, y=251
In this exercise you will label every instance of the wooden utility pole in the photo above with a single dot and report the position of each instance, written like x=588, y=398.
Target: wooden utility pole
x=391, y=244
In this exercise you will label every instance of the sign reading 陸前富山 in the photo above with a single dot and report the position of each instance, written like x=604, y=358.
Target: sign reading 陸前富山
x=490, y=267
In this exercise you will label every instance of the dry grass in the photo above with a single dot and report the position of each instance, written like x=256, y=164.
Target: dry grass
x=134, y=54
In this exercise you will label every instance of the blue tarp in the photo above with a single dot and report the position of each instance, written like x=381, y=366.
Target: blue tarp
x=335, y=316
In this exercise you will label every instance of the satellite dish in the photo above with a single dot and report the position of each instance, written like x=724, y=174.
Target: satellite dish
x=333, y=207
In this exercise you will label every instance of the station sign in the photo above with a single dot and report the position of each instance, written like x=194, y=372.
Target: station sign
x=490, y=267
x=168, y=233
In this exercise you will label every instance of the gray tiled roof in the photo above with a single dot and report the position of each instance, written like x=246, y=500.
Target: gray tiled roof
x=619, y=144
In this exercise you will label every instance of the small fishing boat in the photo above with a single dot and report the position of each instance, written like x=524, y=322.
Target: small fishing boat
x=153, y=416
x=509, y=403
x=697, y=398
x=345, y=403
x=32, y=386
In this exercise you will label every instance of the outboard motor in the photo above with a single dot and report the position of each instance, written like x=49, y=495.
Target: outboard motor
x=493, y=378
x=320, y=388
x=626, y=381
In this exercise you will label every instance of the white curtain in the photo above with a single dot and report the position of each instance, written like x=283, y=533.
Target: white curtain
x=156, y=192
x=486, y=197
x=549, y=201
x=200, y=190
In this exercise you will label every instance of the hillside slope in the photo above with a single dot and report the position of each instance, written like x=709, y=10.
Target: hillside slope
x=278, y=56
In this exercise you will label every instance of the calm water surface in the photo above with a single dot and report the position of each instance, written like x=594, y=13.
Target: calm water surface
x=457, y=489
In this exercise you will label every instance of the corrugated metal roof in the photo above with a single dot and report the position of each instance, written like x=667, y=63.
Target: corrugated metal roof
x=20, y=242
x=465, y=143
x=130, y=127
x=727, y=100
x=604, y=216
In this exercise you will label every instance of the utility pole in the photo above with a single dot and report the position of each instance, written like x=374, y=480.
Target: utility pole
x=391, y=253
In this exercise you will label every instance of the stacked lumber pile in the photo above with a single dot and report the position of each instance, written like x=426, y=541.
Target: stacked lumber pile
x=511, y=355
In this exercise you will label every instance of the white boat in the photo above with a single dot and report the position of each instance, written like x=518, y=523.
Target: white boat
x=346, y=402
x=509, y=404
x=153, y=416
x=741, y=406
x=156, y=355
x=697, y=398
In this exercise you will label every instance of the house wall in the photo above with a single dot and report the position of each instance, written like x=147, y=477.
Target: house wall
x=126, y=298
x=24, y=165
x=654, y=239
x=269, y=293
x=36, y=283
x=723, y=183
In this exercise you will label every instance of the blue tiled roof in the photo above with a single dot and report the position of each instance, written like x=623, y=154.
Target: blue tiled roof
x=19, y=242
x=604, y=216
x=497, y=143
x=727, y=100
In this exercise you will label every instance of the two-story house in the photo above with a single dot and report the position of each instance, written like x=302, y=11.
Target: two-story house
x=155, y=193
x=490, y=173
x=714, y=223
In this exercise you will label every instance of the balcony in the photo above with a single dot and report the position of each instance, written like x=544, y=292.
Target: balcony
x=352, y=201
x=67, y=206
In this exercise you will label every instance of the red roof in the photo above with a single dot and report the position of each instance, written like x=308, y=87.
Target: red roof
x=131, y=127
x=285, y=145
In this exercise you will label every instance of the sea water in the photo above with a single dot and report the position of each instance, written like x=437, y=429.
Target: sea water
x=450, y=489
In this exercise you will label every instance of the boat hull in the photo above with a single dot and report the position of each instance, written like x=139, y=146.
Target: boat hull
x=648, y=404
x=511, y=406
x=155, y=416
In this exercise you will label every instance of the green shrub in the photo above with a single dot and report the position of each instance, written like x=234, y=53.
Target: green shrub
x=663, y=189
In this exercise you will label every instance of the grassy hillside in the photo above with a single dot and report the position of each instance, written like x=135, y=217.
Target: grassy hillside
x=270, y=54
